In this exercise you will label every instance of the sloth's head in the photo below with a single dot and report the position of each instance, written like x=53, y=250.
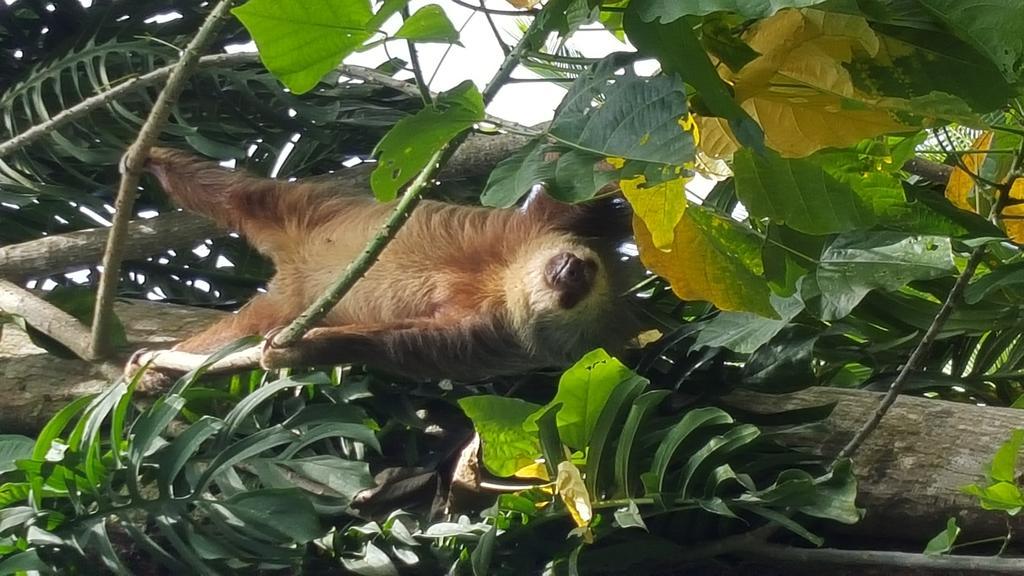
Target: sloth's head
x=558, y=293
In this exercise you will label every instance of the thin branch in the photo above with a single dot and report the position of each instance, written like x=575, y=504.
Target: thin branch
x=496, y=12
x=51, y=321
x=410, y=198
x=133, y=161
x=494, y=29
x=897, y=560
x=102, y=99
x=917, y=357
x=417, y=70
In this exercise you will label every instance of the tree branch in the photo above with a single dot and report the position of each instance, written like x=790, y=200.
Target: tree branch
x=64, y=252
x=50, y=320
x=133, y=162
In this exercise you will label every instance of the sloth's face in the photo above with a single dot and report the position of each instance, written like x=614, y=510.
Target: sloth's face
x=571, y=276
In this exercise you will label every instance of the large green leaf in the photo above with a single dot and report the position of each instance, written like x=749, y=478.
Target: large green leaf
x=284, y=516
x=406, y=148
x=14, y=447
x=637, y=118
x=343, y=477
x=669, y=10
x=745, y=332
x=993, y=27
x=624, y=451
x=858, y=262
x=507, y=447
x=583, y=391
x=677, y=48
x=666, y=452
x=301, y=40
x=429, y=24
x=513, y=177
x=799, y=194
x=943, y=542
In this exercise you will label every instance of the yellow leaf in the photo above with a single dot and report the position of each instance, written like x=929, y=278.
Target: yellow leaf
x=569, y=485
x=1013, y=216
x=799, y=89
x=537, y=469
x=523, y=3
x=660, y=206
x=960, y=190
x=717, y=140
x=710, y=259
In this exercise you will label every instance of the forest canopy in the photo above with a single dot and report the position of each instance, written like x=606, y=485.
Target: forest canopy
x=826, y=196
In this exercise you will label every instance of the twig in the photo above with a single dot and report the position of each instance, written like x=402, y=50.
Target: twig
x=925, y=344
x=410, y=198
x=93, y=102
x=51, y=321
x=417, y=70
x=902, y=560
x=497, y=12
x=494, y=29
x=178, y=361
x=132, y=170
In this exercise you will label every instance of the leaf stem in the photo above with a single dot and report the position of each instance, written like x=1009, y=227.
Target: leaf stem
x=417, y=70
x=133, y=161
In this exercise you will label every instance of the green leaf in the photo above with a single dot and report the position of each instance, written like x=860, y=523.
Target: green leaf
x=1003, y=467
x=787, y=523
x=783, y=364
x=693, y=420
x=513, y=177
x=744, y=332
x=550, y=444
x=23, y=562
x=1005, y=279
x=407, y=147
x=429, y=24
x=284, y=515
x=637, y=119
x=373, y=562
x=994, y=27
x=669, y=10
x=301, y=40
x=835, y=495
x=943, y=542
x=483, y=552
x=999, y=496
x=57, y=424
x=716, y=450
x=344, y=477
x=637, y=412
x=14, y=447
x=798, y=194
x=677, y=48
x=583, y=391
x=506, y=446
x=174, y=457
x=578, y=177
x=858, y=262
x=245, y=448
x=606, y=429
x=241, y=412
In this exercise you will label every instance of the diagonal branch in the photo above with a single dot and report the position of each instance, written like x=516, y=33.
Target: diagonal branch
x=132, y=169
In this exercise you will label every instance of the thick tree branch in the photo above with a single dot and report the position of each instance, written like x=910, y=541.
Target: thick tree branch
x=51, y=321
x=66, y=252
x=133, y=162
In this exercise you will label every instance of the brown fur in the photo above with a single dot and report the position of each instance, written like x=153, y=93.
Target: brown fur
x=459, y=292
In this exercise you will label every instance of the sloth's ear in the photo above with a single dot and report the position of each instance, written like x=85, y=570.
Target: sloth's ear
x=540, y=205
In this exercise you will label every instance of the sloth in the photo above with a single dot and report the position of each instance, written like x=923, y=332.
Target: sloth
x=460, y=292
